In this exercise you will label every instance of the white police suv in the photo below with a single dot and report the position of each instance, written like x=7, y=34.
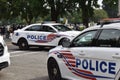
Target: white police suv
x=92, y=55
x=47, y=34
x=4, y=55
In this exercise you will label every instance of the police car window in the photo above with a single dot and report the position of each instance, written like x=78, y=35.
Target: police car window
x=109, y=38
x=62, y=28
x=84, y=40
x=34, y=28
x=47, y=29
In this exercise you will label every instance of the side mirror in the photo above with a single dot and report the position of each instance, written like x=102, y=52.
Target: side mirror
x=66, y=42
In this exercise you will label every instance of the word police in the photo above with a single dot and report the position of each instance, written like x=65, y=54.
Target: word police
x=102, y=66
x=34, y=37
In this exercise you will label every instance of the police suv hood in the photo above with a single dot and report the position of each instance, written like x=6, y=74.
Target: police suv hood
x=58, y=48
x=1, y=39
x=70, y=33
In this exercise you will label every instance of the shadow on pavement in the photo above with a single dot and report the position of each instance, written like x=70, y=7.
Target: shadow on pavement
x=30, y=49
x=41, y=78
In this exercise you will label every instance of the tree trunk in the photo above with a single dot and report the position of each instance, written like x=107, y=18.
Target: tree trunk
x=85, y=20
x=29, y=19
x=54, y=14
x=85, y=16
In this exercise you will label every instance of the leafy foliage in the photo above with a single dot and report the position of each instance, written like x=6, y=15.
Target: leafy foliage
x=99, y=14
x=30, y=10
x=87, y=7
x=111, y=6
x=60, y=7
x=4, y=10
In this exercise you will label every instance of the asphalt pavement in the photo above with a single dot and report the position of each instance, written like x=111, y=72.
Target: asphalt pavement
x=25, y=65
x=7, y=40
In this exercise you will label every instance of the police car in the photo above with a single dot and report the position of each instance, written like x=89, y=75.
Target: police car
x=4, y=55
x=92, y=55
x=47, y=34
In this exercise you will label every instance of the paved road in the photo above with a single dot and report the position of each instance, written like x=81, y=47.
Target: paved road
x=26, y=65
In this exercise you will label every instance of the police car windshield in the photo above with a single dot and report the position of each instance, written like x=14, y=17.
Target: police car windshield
x=62, y=28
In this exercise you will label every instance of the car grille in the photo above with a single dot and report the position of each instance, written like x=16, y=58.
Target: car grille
x=1, y=49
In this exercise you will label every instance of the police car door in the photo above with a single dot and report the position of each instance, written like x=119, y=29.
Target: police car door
x=32, y=34
x=49, y=36
x=108, y=54
x=94, y=63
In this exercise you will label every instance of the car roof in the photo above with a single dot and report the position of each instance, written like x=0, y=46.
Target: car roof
x=45, y=24
x=49, y=24
x=105, y=26
x=112, y=25
x=52, y=24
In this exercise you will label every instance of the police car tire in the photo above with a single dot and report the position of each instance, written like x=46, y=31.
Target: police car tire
x=61, y=41
x=53, y=70
x=23, y=45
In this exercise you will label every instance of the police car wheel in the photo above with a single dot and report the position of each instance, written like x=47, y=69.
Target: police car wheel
x=53, y=70
x=23, y=45
x=62, y=41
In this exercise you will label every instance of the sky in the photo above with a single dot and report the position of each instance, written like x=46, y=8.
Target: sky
x=100, y=2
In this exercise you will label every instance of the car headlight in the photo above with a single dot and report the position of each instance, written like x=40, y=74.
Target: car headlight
x=1, y=49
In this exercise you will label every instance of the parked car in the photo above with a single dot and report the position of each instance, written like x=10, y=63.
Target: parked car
x=4, y=54
x=47, y=34
x=93, y=55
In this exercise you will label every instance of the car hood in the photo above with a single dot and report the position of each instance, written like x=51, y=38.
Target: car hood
x=70, y=33
x=58, y=48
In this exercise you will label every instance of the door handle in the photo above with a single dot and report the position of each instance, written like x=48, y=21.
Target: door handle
x=116, y=56
x=81, y=53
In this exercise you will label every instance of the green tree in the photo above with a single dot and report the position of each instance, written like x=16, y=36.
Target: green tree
x=111, y=7
x=99, y=14
x=87, y=7
x=31, y=9
x=59, y=8
x=5, y=11
x=75, y=17
x=28, y=9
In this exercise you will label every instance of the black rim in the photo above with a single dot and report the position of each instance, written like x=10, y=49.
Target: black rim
x=61, y=42
x=53, y=70
x=23, y=44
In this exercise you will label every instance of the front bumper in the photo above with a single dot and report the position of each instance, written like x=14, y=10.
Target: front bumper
x=4, y=65
x=5, y=58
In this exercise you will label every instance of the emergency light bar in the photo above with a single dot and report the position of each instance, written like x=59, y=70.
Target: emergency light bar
x=109, y=21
